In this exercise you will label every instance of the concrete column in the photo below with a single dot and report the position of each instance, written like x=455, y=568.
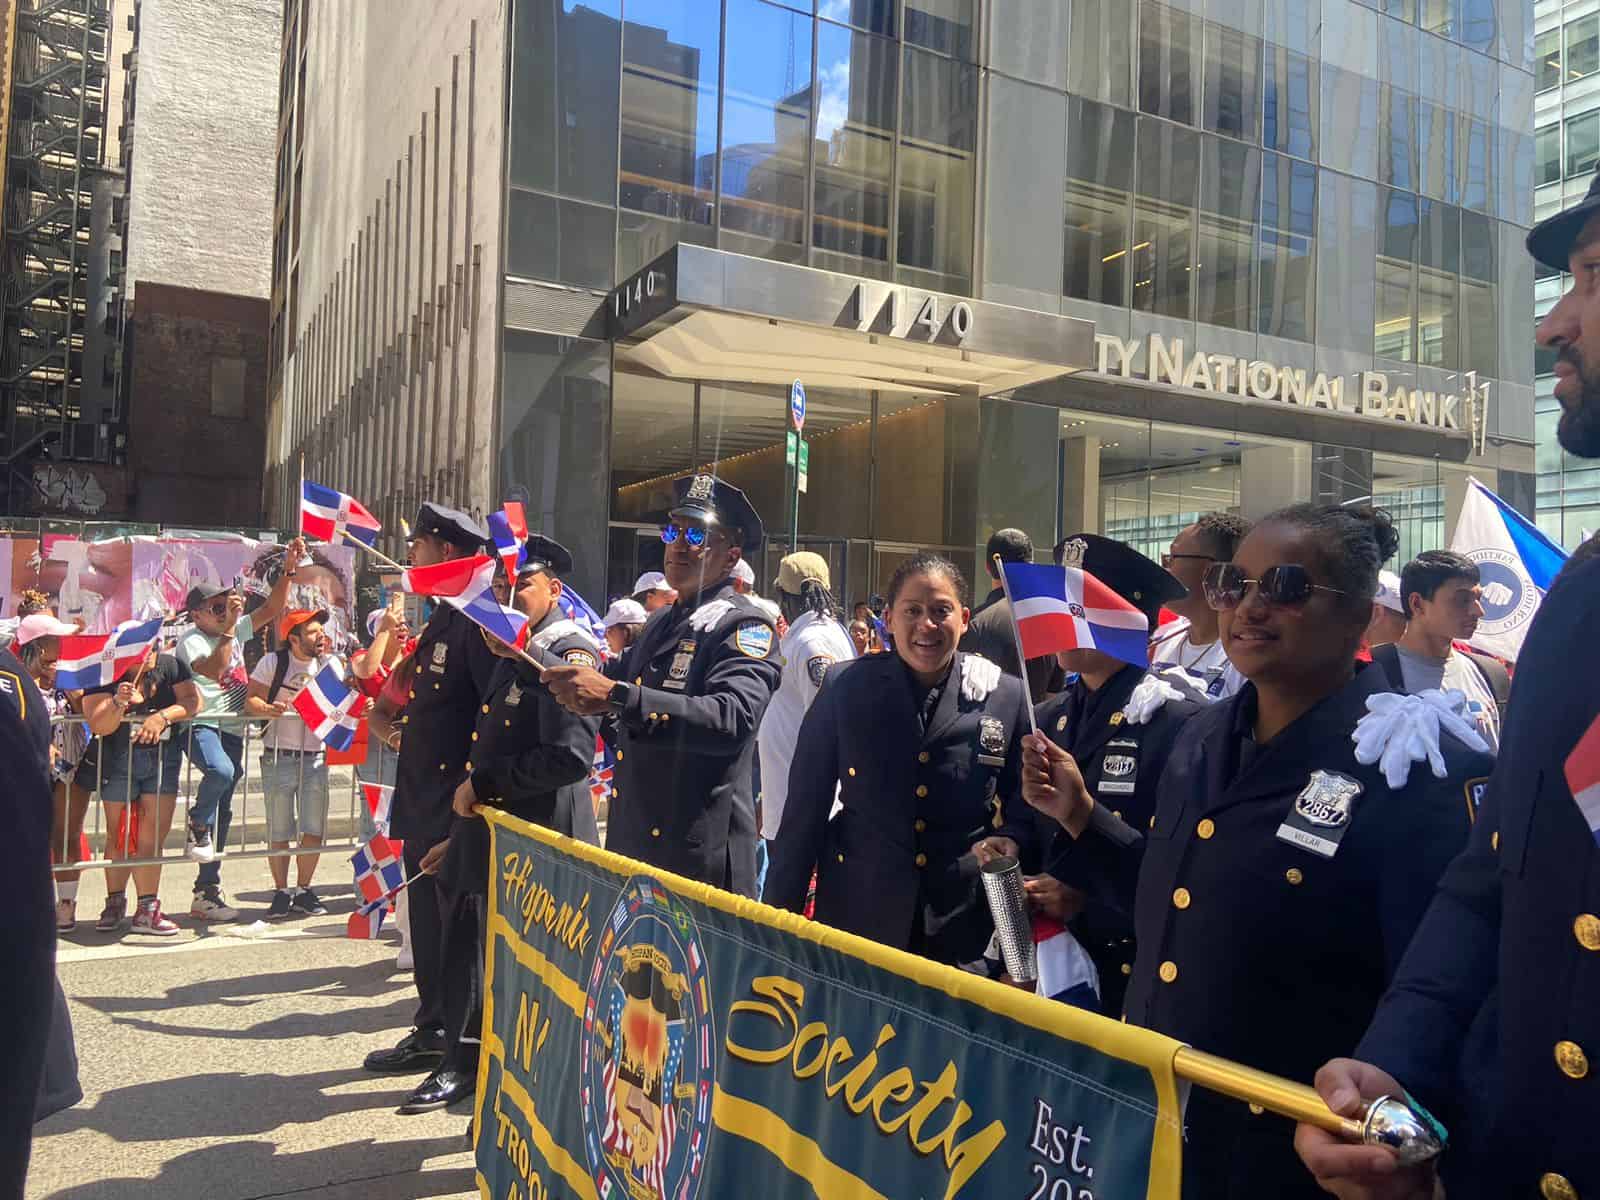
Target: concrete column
x=1455, y=495
x=1272, y=477
x=1080, y=490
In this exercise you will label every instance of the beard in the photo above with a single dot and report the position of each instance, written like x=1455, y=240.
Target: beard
x=1579, y=428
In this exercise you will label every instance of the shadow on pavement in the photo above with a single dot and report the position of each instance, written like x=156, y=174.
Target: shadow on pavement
x=240, y=1171
x=368, y=981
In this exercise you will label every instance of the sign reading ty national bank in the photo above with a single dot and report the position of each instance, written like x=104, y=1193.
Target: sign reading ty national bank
x=1167, y=360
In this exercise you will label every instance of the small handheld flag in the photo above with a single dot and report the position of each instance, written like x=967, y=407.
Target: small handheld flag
x=365, y=922
x=468, y=584
x=577, y=610
x=1066, y=608
x=601, y=772
x=332, y=516
x=1583, y=777
x=509, y=528
x=330, y=709
x=378, y=871
x=379, y=797
x=99, y=660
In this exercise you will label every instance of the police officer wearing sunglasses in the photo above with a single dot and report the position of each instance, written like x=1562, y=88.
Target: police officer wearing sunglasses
x=687, y=698
x=1280, y=878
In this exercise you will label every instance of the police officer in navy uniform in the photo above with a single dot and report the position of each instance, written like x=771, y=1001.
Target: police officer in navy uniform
x=531, y=758
x=1282, y=877
x=687, y=698
x=454, y=667
x=922, y=747
x=1498, y=999
x=1119, y=722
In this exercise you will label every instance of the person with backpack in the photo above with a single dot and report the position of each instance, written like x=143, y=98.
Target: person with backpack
x=294, y=770
x=1444, y=602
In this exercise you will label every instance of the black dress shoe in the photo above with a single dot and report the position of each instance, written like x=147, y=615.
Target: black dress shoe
x=443, y=1088
x=419, y=1050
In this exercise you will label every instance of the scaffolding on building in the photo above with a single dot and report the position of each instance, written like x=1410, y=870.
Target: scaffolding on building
x=54, y=147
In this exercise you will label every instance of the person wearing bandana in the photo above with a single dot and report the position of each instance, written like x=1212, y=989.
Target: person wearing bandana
x=921, y=746
x=454, y=667
x=1295, y=842
x=530, y=758
x=687, y=698
x=1119, y=723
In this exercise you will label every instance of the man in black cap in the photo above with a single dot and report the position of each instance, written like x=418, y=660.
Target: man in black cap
x=688, y=697
x=453, y=670
x=1494, y=1013
x=530, y=757
x=1119, y=722
x=989, y=633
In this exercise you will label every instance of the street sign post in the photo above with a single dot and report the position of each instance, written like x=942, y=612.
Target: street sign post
x=797, y=405
x=804, y=463
x=795, y=455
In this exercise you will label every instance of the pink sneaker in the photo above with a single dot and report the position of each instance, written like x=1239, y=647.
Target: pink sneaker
x=151, y=920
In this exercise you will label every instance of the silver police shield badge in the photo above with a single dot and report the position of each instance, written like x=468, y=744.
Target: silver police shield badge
x=1327, y=798
x=992, y=735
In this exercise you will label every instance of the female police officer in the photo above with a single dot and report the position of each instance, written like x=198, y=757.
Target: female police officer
x=922, y=747
x=1281, y=877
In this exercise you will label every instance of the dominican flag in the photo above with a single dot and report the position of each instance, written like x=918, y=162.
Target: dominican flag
x=379, y=873
x=330, y=709
x=1066, y=608
x=365, y=923
x=1516, y=566
x=332, y=516
x=101, y=659
x=1583, y=777
x=509, y=528
x=577, y=610
x=378, y=798
x=468, y=583
x=1063, y=962
x=600, y=774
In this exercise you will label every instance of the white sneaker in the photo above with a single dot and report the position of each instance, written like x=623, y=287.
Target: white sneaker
x=404, y=961
x=198, y=848
x=212, y=906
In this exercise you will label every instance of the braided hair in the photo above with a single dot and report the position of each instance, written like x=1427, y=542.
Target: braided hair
x=1353, y=543
x=814, y=597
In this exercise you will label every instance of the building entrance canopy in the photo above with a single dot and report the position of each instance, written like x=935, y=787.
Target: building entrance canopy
x=698, y=313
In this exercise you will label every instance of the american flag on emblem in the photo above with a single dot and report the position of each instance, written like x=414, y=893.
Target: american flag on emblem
x=615, y=1137
x=330, y=710
x=378, y=870
x=1066, y=608
x=332, y=516
x=101, y=659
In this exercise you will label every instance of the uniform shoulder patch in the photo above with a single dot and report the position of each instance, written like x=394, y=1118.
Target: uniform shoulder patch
x=11, y=688
x=1474, y=790
x=754, y=639
x=580, y=657
x=817, y=668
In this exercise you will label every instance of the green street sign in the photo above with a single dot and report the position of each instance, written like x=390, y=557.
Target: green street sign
x=789, y=442
x=805, y=463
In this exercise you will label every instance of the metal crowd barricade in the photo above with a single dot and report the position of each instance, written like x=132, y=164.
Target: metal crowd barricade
x=347, y=826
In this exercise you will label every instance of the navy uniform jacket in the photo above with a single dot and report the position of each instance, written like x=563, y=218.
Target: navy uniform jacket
x=1121, y=763
x=453, y=669
x=687, y=738
x=914, y=804
x=1513, y=939
x=1256, y=949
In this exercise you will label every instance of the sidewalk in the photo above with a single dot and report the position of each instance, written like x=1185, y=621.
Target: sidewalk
x=225, y=1063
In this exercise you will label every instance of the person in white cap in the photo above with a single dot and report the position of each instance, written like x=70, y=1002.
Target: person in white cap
x=651, y=591
x=622, y=623
x=815, y=642
x=744, y=578
x=1388, y=612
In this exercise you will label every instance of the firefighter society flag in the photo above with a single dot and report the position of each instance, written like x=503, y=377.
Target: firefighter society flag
x=1516, y=566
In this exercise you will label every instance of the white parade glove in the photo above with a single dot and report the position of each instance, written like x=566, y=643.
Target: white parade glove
x=707, y=615
x=978, y=677
x=1148, y=698
x=1400, y=730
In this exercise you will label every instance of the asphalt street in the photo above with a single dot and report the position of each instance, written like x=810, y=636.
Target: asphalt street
x=225, y=1063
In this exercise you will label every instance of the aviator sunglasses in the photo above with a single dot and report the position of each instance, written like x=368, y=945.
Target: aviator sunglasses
x=695, y=535
x=1285, y=586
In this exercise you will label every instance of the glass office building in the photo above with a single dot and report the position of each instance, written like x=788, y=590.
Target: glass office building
x=1060, y=264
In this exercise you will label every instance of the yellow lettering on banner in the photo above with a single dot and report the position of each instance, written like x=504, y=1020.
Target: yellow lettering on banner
x=800, y=1154
x=530, y=898
x=524, y=1043
x=563, y=1164
x=564, y=988
x=961, y=1159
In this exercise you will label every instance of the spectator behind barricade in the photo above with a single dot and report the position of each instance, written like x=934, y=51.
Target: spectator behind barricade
x=134, y=767
x=860, y=636
x=623, y=622
x=651, y=592
x=214, y=651
x=384, y=670
x=30, y=602
x=37, y=645
x=1388, y=623
x=743, y=578
x=1445, y=602
x=294, y=771
x=1190, y=643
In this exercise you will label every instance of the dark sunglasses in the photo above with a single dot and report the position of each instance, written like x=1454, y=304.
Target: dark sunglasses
x=1285, y=586
x=695, y=535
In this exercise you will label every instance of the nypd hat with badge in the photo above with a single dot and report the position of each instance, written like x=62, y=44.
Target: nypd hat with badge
x=545, y=554
x=719, y=505
x=449, y=525
x=1142, y=583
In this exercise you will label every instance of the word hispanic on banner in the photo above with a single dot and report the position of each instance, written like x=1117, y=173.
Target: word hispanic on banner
x=650, y=1038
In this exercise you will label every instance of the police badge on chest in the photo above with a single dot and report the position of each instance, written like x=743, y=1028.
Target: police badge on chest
x=1119, y=769
x=1321, y=814
x=440, y=652
x=678, y=672
x=992, y=741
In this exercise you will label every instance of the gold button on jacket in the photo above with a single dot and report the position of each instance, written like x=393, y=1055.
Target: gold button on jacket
x=1205, y=829
x=1168, y=971
x=1574, y=1063
x=1556, y=1187
x=1180, y=898
x=1586, y=928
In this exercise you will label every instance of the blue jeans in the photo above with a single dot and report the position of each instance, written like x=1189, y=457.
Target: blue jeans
x=220, y=757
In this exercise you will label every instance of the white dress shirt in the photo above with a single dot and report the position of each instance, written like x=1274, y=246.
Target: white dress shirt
x=812, y=646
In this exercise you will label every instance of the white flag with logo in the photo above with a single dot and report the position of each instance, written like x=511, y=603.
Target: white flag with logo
x=1516, y=562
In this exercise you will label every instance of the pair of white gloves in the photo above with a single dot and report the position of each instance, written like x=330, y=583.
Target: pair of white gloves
x=1400, y=730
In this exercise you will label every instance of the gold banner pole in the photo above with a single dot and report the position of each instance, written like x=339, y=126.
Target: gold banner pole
x=1271, y=1092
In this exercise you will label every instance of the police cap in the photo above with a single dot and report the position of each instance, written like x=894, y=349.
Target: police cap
x=719, y=505
x=1144, y=584
x=546, y=554
x=449, y=525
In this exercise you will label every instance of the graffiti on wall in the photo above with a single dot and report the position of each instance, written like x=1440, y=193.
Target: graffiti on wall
x=68, y=489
